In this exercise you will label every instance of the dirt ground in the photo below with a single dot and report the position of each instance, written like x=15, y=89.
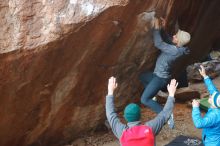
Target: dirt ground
x=183, y=125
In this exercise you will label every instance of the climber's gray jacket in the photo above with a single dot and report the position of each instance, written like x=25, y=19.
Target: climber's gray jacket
x=169, y=53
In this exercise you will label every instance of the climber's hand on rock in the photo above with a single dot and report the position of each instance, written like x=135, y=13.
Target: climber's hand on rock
x=163, y=22
x=172, y=87
x=155, y=23
x=112, y=85
x=195, y=103
x=202, y=71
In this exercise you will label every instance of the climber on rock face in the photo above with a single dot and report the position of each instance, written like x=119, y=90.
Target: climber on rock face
x=157, y=80
x=134, y=133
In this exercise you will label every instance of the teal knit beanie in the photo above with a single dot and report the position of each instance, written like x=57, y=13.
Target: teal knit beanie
x=132, y=112
x=216, y=99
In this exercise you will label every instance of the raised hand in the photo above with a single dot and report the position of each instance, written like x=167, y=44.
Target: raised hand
x=202, y=71
x=112, y=85
x=155, y=23
x=163, y=22
x=172, y=87
x=195, y=103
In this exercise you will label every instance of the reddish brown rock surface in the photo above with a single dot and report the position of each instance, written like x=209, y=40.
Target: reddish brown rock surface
x=56, y=57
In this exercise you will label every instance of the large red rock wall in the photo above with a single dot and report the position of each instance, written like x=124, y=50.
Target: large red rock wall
x=56, y=57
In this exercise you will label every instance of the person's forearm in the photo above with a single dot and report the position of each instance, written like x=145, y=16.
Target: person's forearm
x=110, y=111
x=209, y=85
x=168, y=108
x=157, y=123
x=196, y=117
x=163, y=46
x=203, y=122
x=114, y=121
x=109, y=102
x=157, y=38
